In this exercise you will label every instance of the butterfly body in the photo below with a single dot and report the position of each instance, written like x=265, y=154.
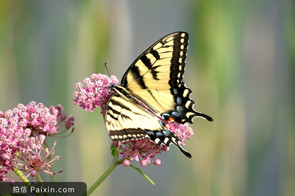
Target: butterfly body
x=151, y=93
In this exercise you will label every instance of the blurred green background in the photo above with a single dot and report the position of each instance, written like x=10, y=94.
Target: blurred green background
x=240, y=67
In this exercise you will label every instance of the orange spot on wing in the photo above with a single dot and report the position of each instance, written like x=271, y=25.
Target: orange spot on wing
x=171, y=119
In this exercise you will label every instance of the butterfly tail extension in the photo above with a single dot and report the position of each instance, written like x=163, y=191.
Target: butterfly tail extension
x=205, y=116
x=175, y=140
x=186, y=153
x=166, y=137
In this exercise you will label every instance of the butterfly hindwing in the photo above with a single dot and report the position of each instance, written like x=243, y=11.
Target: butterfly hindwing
x=127, y=120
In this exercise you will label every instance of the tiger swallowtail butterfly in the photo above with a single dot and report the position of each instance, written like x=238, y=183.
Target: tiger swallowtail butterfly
x=152, y=91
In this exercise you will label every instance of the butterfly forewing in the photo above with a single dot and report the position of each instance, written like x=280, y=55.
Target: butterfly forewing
x=155, y=77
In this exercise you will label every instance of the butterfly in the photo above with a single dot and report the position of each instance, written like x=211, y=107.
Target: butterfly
x=151, y=93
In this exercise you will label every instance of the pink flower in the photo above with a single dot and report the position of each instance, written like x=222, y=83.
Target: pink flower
x=139, y=150
x=157, y=162
x=143, y=163
x=24, y=128
x=183, y=131
x=36, y=158
x=126, y=163
x=95, y=93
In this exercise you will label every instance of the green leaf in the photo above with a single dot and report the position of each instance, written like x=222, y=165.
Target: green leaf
x=113, y=149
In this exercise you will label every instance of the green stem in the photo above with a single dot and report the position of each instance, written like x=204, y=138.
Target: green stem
x=39, y=178
x=41, y=181
x=103, y=177
x=24, y=179
x=116, y=162
x=143, y=174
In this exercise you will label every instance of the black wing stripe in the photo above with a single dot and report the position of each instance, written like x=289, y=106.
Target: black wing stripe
x=178, y=67
x=113, y=111
x=155, y=54
x=127, y=134
x=147, y=62
x=137, y=78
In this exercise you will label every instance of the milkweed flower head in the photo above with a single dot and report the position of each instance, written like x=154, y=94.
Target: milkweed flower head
x=37, y=158
x=95, y=92
x=145, y=151
x=23, y=131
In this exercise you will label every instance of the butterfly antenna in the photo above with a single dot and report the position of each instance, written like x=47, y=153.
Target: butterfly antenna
x=105, y=65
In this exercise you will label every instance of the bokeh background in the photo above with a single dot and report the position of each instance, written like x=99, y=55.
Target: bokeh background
x=240, y=67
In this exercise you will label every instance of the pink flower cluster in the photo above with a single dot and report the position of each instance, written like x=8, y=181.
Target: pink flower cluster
x=145, y=150
x=95, y=93
x=23, y=131
x=183, y=131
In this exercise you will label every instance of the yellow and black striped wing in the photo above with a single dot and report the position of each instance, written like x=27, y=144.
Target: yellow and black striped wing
x=127, y=120
x=156, y=78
